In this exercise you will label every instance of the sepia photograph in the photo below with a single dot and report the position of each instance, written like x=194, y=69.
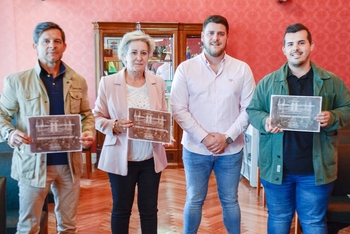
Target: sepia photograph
x=54, y=133
x=295, y=113
x=150, y=125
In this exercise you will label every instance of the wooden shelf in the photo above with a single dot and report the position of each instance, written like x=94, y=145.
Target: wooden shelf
x=111, y=59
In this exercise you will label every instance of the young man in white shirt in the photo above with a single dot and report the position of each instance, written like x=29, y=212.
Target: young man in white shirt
x=210, y=93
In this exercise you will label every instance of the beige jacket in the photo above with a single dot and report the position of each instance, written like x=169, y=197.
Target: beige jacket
x=24, y=95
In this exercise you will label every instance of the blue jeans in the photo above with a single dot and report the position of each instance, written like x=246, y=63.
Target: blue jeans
x=227, y=172
x=300, y=193
x=147, y=180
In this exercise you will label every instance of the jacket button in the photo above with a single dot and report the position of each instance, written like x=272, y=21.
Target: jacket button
x=277, y=179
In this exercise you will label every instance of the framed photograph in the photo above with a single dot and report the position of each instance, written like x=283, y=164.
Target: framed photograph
x=112, y=43
x=295, y=113
x=150, y=125
x=54, y=133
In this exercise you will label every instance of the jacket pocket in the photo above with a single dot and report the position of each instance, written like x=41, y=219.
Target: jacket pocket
x=29, y=103
x=28, y=164
x=110, y=141
x=330, y=144
x=75, y=101
x=328, y=101
x=265, y=152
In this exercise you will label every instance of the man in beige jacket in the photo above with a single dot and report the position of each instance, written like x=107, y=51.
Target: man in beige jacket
x=50, y=88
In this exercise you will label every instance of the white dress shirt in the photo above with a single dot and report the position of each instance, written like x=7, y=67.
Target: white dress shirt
x=204, y=102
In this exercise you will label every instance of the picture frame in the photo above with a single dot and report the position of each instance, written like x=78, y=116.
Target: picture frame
x=112, y=43
x=295, y=113
x=150, y=125
x=55, y=133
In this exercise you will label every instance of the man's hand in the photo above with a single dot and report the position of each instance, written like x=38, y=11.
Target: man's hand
x=323, y=118
x=86, y=140
x=17, y=138
x=215, y=143
x=269, y=128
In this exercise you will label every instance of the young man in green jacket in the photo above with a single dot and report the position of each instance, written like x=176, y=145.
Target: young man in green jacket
x=298, y=168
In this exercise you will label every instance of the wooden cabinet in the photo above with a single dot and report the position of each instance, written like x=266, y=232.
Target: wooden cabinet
x=175, y=42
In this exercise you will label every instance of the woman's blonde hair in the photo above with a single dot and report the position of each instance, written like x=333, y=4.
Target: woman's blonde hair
x=135, y=36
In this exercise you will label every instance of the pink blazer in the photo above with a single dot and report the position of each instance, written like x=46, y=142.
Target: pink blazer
x=111, y=104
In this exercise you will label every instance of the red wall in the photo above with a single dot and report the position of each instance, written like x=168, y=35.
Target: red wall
x=256, y=29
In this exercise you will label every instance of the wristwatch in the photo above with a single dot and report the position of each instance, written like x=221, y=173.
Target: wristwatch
x=7, y=134
x=228, y=139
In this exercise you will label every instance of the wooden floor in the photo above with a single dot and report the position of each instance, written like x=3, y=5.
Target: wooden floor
x=95, y=207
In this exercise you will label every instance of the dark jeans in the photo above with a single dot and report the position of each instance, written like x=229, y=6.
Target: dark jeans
x=147, y=180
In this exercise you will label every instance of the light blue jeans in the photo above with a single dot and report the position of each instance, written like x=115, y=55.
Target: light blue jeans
x=227, y=172
x=300, y=193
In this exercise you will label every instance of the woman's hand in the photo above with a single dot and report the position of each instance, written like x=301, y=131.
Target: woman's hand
x=122, y=125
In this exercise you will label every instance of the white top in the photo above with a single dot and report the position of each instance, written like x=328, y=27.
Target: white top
x=164, y=71
x=138, y=98
x=204, y=102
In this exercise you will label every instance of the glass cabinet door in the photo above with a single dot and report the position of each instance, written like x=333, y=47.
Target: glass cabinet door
x=193, y=46
x=111, y=62
x=160, y=62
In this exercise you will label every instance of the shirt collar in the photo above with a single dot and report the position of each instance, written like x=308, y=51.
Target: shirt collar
x=44, y=73
x=308, y=74
x=207, y=62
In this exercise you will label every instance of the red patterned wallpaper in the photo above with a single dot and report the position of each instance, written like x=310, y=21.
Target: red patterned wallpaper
x=256, y=29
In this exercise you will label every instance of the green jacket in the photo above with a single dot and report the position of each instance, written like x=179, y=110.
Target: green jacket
x=24, y=95
x=335, y=98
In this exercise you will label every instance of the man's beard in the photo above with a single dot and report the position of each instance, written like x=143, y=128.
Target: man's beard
x=299, y=63
x=214, y=53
